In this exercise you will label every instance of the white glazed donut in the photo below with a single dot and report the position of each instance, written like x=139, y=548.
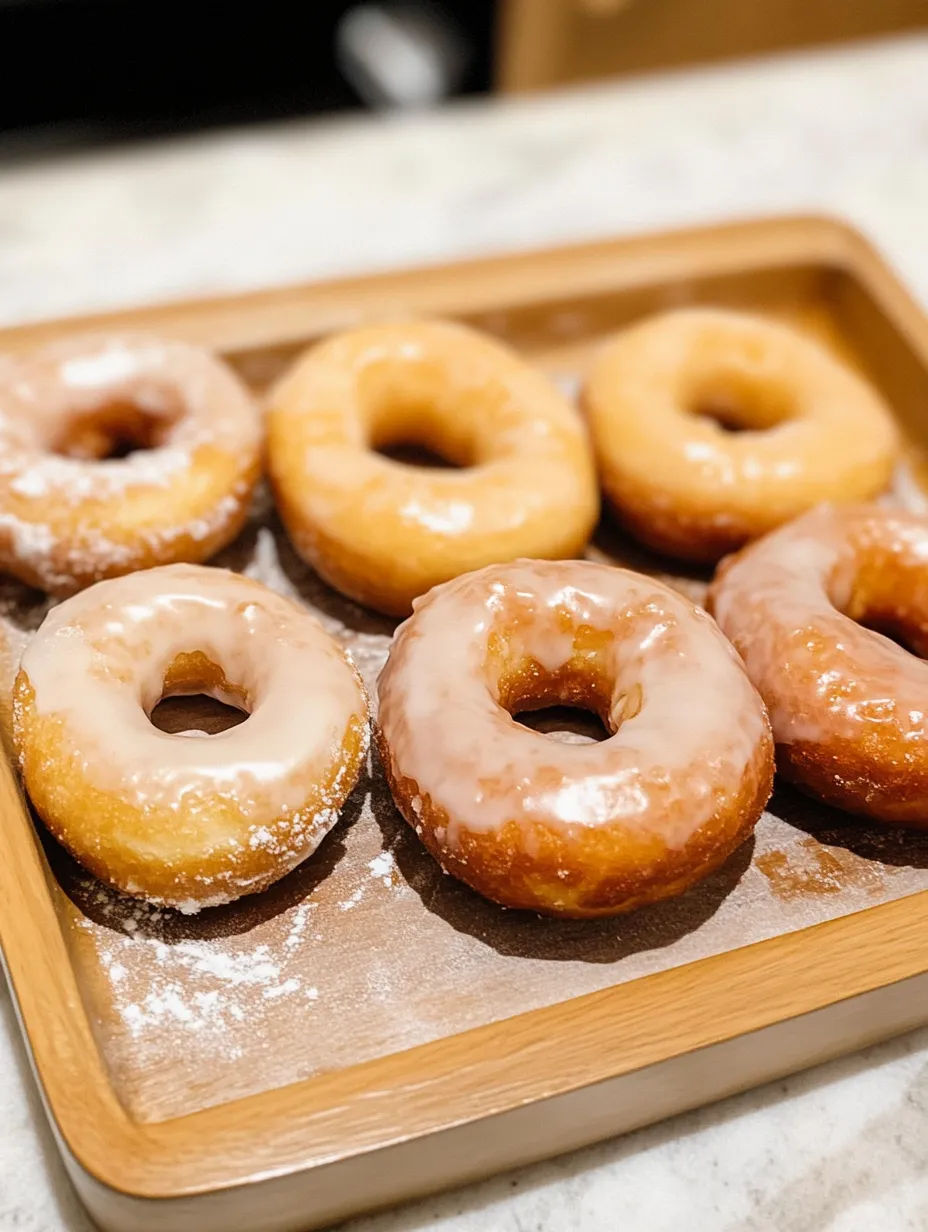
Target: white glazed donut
x=187, y=822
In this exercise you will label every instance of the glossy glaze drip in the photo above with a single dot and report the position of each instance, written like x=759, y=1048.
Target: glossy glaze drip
x=694, y=725
x=785, y=603
x=98, y=665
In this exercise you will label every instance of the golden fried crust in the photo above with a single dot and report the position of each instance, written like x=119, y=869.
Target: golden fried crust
x=571, y=830
x=172, y=856
x=582, y=874
x=191, y=520
x=876, y=778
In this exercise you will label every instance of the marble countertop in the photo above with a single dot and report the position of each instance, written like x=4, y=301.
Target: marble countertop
x=842, y=1147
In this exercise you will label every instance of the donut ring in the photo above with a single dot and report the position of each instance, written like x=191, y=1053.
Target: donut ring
x=570, y=829
x=187, y=822
x=848, y=705
x=682, y=484
x=69, y=514
x=382, y=532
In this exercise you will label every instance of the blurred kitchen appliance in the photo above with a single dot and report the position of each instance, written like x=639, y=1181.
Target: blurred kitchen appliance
x=401, y=55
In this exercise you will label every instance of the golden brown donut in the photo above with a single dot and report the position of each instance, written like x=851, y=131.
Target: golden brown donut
x=848, y=705
x=382, y=532
x=70, y=514
x=659, y=394
x=571, y=829
x=182, y=821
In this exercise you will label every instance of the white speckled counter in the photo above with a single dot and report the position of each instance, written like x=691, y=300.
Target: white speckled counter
x=842, y=1148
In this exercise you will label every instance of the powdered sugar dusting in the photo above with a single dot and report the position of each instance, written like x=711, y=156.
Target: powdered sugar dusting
x=63, y=408
x=75, y=482
x=111, y=366
x=383, y=867
x=213, y=1004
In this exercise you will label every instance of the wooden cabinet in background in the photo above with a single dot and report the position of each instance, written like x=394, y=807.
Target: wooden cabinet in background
x=555, y=42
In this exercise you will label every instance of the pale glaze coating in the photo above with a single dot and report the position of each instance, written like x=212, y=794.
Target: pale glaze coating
x=811, y=430
x=382, y=532
x=571, y=829
x=848, y=705
x=187, y=822
x=69, y=514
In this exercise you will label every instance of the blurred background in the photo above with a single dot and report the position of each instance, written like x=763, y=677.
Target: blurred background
x=151, y=151
x=95, y=70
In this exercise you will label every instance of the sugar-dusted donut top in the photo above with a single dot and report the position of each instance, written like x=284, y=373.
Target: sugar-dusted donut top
x=194, y=398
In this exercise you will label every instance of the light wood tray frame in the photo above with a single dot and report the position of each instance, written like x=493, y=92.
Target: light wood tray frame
x=545, y=1081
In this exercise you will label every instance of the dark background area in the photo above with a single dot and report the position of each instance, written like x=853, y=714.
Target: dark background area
x=89, y=71
x=75, y=70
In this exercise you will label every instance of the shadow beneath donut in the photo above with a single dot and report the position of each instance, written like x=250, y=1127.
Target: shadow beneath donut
x=527, y=935
x=614, y=546
x=124, y=914
x=23, y=607
x=901, y=847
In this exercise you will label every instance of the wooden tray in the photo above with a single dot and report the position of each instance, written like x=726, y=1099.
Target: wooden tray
x=370, y=1030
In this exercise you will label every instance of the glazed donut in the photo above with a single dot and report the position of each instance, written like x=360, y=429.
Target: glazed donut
x=382, y=532
x=70, y=514
x=848, y=705
x=571, y=829
x=187, y=822
x=660, y=396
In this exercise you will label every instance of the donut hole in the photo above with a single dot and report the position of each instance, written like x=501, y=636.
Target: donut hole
x=728, y=418
x=742, y=402
x=197, y=698
x=408, y=422
x=415, y=437
x=567, y=724
x=567, y=705
x=901, y=627
x=411, y=454
x=195, y=714
x=914, y=641
x=891, y=601
x=112, y=430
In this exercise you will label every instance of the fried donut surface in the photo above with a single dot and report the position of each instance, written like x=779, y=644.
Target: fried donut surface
x=571, y=829
x=71, y=514
x=804, y=429
x=848, y=705
x=183, y=821
x=383, y=532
